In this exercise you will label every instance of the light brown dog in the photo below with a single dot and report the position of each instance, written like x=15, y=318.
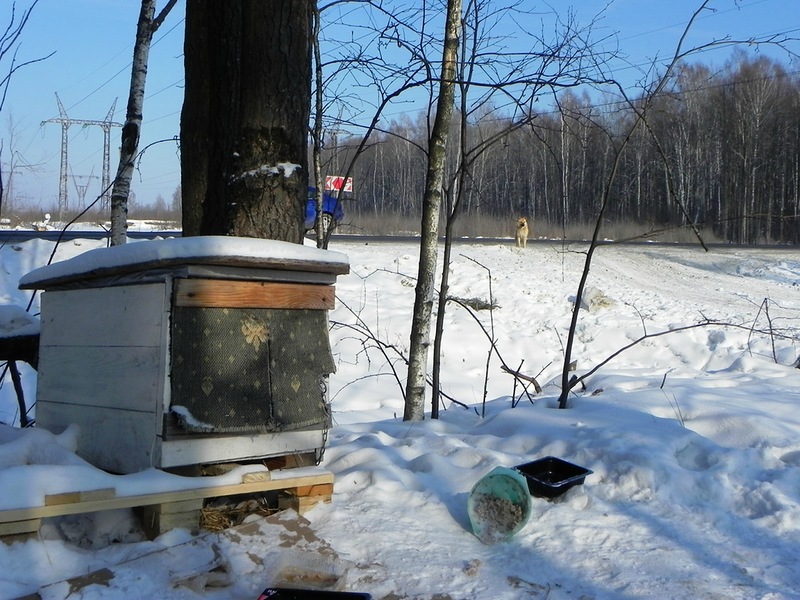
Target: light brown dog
x=521, y=236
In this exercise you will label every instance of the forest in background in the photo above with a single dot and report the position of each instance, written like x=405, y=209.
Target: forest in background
x=724, y=142
x=721, y=149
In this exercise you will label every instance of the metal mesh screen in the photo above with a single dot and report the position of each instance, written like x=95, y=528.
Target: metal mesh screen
x=240, y=370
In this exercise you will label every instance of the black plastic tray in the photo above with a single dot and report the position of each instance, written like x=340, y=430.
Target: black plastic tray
x=550, y=476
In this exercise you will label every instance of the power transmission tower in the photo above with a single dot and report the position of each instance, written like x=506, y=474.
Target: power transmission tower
x=82, y=188
x=106, y=124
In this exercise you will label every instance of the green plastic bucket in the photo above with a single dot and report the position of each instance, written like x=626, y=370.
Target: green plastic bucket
x=499, y=505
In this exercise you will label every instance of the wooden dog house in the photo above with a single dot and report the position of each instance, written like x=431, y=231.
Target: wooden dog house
x=187, y=351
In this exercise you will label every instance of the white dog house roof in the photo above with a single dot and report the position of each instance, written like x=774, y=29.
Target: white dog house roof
x=223, y=251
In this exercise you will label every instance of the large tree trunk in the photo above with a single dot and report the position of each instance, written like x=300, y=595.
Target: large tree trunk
x=244, y=125
x=432, y=202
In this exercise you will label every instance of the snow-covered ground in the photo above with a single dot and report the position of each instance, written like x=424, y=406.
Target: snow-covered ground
x=693, y=438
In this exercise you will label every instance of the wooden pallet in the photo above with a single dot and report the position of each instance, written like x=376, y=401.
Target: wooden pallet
x=300, y=489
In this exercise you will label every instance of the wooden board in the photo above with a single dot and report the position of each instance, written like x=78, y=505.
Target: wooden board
x=300, y=504
x=120, y=377
x=320, y=489
x=72, y=497
x=194, y=449
x=15, y=528
x=117, y=440
x=278, y=482
x=216, y=293
x=160, y=518
x=303, y=498
x=132, y=315
x=102, y=367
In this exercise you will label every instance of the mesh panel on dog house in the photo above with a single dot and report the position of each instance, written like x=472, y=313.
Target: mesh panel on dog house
x=236, y=369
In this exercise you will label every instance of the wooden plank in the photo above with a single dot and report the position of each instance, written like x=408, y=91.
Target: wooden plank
x=325, y=489
x=301, y=505
x=194, y=450
x=275, y=484
x=72, y=497
x=257, y=476
x=160, y=518
x=21, y=527
x=184, y=506
x=102, y=577
x=119, y=441
x=114, y=377
x=130, y=315
x=216, y=293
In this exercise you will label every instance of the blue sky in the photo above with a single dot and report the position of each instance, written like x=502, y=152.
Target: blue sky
x=90, y=70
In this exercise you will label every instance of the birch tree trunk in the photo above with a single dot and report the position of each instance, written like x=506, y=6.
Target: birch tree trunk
x=146, y=27
x=432, y=202
x=316, y=132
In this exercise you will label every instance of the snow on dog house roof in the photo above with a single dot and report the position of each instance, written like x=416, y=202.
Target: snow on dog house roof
x=218, y=251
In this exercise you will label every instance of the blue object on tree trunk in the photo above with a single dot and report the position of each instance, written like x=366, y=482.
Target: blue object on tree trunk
x=499, y=505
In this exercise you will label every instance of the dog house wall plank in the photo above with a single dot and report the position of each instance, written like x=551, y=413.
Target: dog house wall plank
x=113, y=377
x=197, y=450
x=129, y=315
x=102, y=368
x=114, y=439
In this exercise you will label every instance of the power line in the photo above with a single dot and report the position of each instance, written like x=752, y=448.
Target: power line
x=124, y=69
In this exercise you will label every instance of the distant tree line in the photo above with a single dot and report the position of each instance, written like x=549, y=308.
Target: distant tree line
x=722, y=150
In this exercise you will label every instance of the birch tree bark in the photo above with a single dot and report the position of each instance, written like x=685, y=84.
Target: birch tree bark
x=316, y=131
x=432, y=202
x=146, y=27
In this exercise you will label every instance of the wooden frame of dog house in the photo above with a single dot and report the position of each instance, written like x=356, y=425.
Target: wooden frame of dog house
x=187, y=351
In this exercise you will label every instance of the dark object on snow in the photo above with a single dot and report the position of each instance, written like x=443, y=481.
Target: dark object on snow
x=292, y=594
x=551, y=476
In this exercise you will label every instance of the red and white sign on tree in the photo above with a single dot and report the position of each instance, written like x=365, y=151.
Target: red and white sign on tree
x=337, y=182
